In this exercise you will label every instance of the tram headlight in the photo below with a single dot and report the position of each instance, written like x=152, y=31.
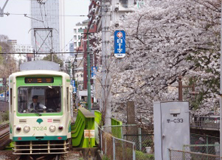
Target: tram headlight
x=52, y=128
x=26, y=129
x=60, y=127
x=18, y=128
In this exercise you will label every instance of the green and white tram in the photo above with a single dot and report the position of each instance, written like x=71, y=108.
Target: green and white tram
x=39, y=107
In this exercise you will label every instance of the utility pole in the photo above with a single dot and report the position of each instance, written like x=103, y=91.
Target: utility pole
x=51, y=46
x=88, y=75
x=180, y=89
x=221, y=86
x=2, y=9
x=106, y=97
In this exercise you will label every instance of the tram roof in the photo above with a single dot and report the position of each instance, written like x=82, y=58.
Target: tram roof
x=40, y=65
x=39, y=72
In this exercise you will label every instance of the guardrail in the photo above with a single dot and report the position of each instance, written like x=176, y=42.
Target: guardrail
x=187, y=155
x=206, y=122
x=83, y=131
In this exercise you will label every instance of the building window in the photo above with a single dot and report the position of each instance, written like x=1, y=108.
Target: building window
x=124, y=3
x=80, y=30
x=74, y=30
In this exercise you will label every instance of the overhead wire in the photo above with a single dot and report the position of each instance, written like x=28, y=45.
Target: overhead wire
x=22, y=14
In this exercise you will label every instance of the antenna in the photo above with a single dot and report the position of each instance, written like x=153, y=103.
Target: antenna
x=2, y=9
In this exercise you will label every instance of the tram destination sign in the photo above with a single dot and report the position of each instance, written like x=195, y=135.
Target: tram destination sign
x=39, y=80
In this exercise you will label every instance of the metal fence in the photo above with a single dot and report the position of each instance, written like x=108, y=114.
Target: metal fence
x=143, y=141
x=203, y=139
x=115, y=148
x=186, y=155
x=213, y=149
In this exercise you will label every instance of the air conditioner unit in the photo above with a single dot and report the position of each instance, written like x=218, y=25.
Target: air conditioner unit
x=93, y=10
x=94, y=21
x=98, y=3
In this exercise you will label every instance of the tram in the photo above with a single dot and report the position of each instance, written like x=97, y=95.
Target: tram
x=39, y=111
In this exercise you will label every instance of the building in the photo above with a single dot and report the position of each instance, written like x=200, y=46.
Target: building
x=23, y=48
x=118, y=10
x=78, y=33
x=3, y=38
x=25, y=53
x=47, y=25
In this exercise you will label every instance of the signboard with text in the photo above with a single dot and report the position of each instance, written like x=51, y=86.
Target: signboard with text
x=73, y=85
x=119, y=44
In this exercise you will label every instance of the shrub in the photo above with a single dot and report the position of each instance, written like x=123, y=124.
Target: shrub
x=144, y=156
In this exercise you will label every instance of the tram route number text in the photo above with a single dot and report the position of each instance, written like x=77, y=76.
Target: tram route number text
x=40, y=128
x=177, y=120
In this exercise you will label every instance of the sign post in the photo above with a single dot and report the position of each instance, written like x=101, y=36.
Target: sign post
x=119, y=44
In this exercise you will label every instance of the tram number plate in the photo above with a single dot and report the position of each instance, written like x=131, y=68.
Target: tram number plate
x=40, y=128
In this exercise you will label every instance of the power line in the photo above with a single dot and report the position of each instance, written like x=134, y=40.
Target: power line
x=37, y=53
x=21, y=14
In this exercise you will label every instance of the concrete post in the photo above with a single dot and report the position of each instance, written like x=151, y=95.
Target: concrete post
x=106, y=94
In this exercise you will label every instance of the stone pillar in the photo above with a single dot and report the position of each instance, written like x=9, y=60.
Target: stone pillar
x=131, y=131
x=130, y=112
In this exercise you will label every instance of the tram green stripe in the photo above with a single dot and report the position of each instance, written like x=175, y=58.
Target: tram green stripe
x=45, y=138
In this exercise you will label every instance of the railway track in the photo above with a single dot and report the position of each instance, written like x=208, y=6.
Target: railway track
x=70, y=156
x=4, y=135
x=43, y=157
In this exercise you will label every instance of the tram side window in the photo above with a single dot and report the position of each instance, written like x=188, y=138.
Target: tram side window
x=22, y=100
x=67, y=93
x=10, y=99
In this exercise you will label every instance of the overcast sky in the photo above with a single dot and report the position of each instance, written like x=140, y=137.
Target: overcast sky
x=17, y=26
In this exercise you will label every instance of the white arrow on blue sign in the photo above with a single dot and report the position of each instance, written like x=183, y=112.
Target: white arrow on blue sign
x=119, y=44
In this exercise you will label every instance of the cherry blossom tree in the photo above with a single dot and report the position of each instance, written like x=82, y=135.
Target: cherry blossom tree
x=165, y=40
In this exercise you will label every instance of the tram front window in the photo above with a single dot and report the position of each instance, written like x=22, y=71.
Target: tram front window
x=39, y=99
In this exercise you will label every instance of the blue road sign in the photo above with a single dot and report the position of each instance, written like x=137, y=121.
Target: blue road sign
x=93, y=72
x=73, y=85
x=119, y=44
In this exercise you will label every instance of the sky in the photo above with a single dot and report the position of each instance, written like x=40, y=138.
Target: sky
x=17, y=26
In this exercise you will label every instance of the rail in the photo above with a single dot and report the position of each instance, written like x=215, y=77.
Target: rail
x=206, y=123
x=4, y=135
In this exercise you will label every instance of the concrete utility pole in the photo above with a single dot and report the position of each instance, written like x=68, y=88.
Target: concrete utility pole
x=2, y=9
x=106, y=93
x=221, y=86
